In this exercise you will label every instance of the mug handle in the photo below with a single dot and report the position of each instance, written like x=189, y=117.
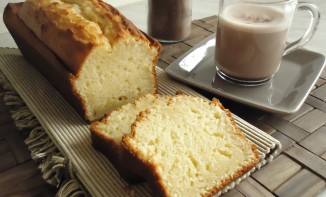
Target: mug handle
x=314, y=21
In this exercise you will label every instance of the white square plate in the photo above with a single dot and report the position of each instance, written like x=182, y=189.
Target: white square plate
x=284, y=93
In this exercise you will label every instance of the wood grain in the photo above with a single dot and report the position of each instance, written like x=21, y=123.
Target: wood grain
x=305, y=108
x=316, y=103
x=320, y=93
x=311, y=121
x=286, y=128
x=250, y=187
x=233, y=193
x=285, y=141
x=265, y=127
x=316, y=142
x=309, y=185
x=308, y=159
x=197, y=35
x=319, y=83
x=276, y=173
x=323, y=155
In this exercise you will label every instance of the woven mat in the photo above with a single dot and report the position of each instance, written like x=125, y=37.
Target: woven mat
x=71, y=135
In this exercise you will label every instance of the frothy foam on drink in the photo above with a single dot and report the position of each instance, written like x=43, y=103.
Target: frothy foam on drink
x=254, y=18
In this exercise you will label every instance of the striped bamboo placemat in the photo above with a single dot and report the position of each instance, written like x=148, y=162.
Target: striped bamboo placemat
x=71, y=134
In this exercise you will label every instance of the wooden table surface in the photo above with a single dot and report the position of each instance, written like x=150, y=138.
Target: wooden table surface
x=299, y=170
x=19, y=175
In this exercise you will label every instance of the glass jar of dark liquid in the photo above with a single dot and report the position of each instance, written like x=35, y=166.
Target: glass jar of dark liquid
x=169, y=20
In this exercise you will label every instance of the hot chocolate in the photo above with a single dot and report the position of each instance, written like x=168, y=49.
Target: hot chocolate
x=169, y=20
x=250, y=41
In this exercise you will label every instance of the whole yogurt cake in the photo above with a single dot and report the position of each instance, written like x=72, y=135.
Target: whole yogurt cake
x=93, y=55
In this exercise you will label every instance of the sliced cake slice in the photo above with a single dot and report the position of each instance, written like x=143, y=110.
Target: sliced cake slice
x=107, y=134
x=188, y=147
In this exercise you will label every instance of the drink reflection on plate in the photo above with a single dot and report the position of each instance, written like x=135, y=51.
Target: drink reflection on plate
x=266, y=93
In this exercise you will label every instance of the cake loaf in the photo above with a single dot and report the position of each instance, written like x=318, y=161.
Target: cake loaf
x=92, y=54
x=188, y=147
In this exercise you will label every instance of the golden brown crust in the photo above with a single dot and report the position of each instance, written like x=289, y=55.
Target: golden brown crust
x=101, y=142
x=76, y=41
x=46, y=62
x=245, y=169
x=113, y=151
x=150, y=173
x=72, y=49
x=141, y=165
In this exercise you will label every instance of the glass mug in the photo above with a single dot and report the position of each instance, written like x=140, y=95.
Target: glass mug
x=251, y=38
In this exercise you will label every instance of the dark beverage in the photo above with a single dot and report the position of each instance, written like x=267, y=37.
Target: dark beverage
x=169, y=20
